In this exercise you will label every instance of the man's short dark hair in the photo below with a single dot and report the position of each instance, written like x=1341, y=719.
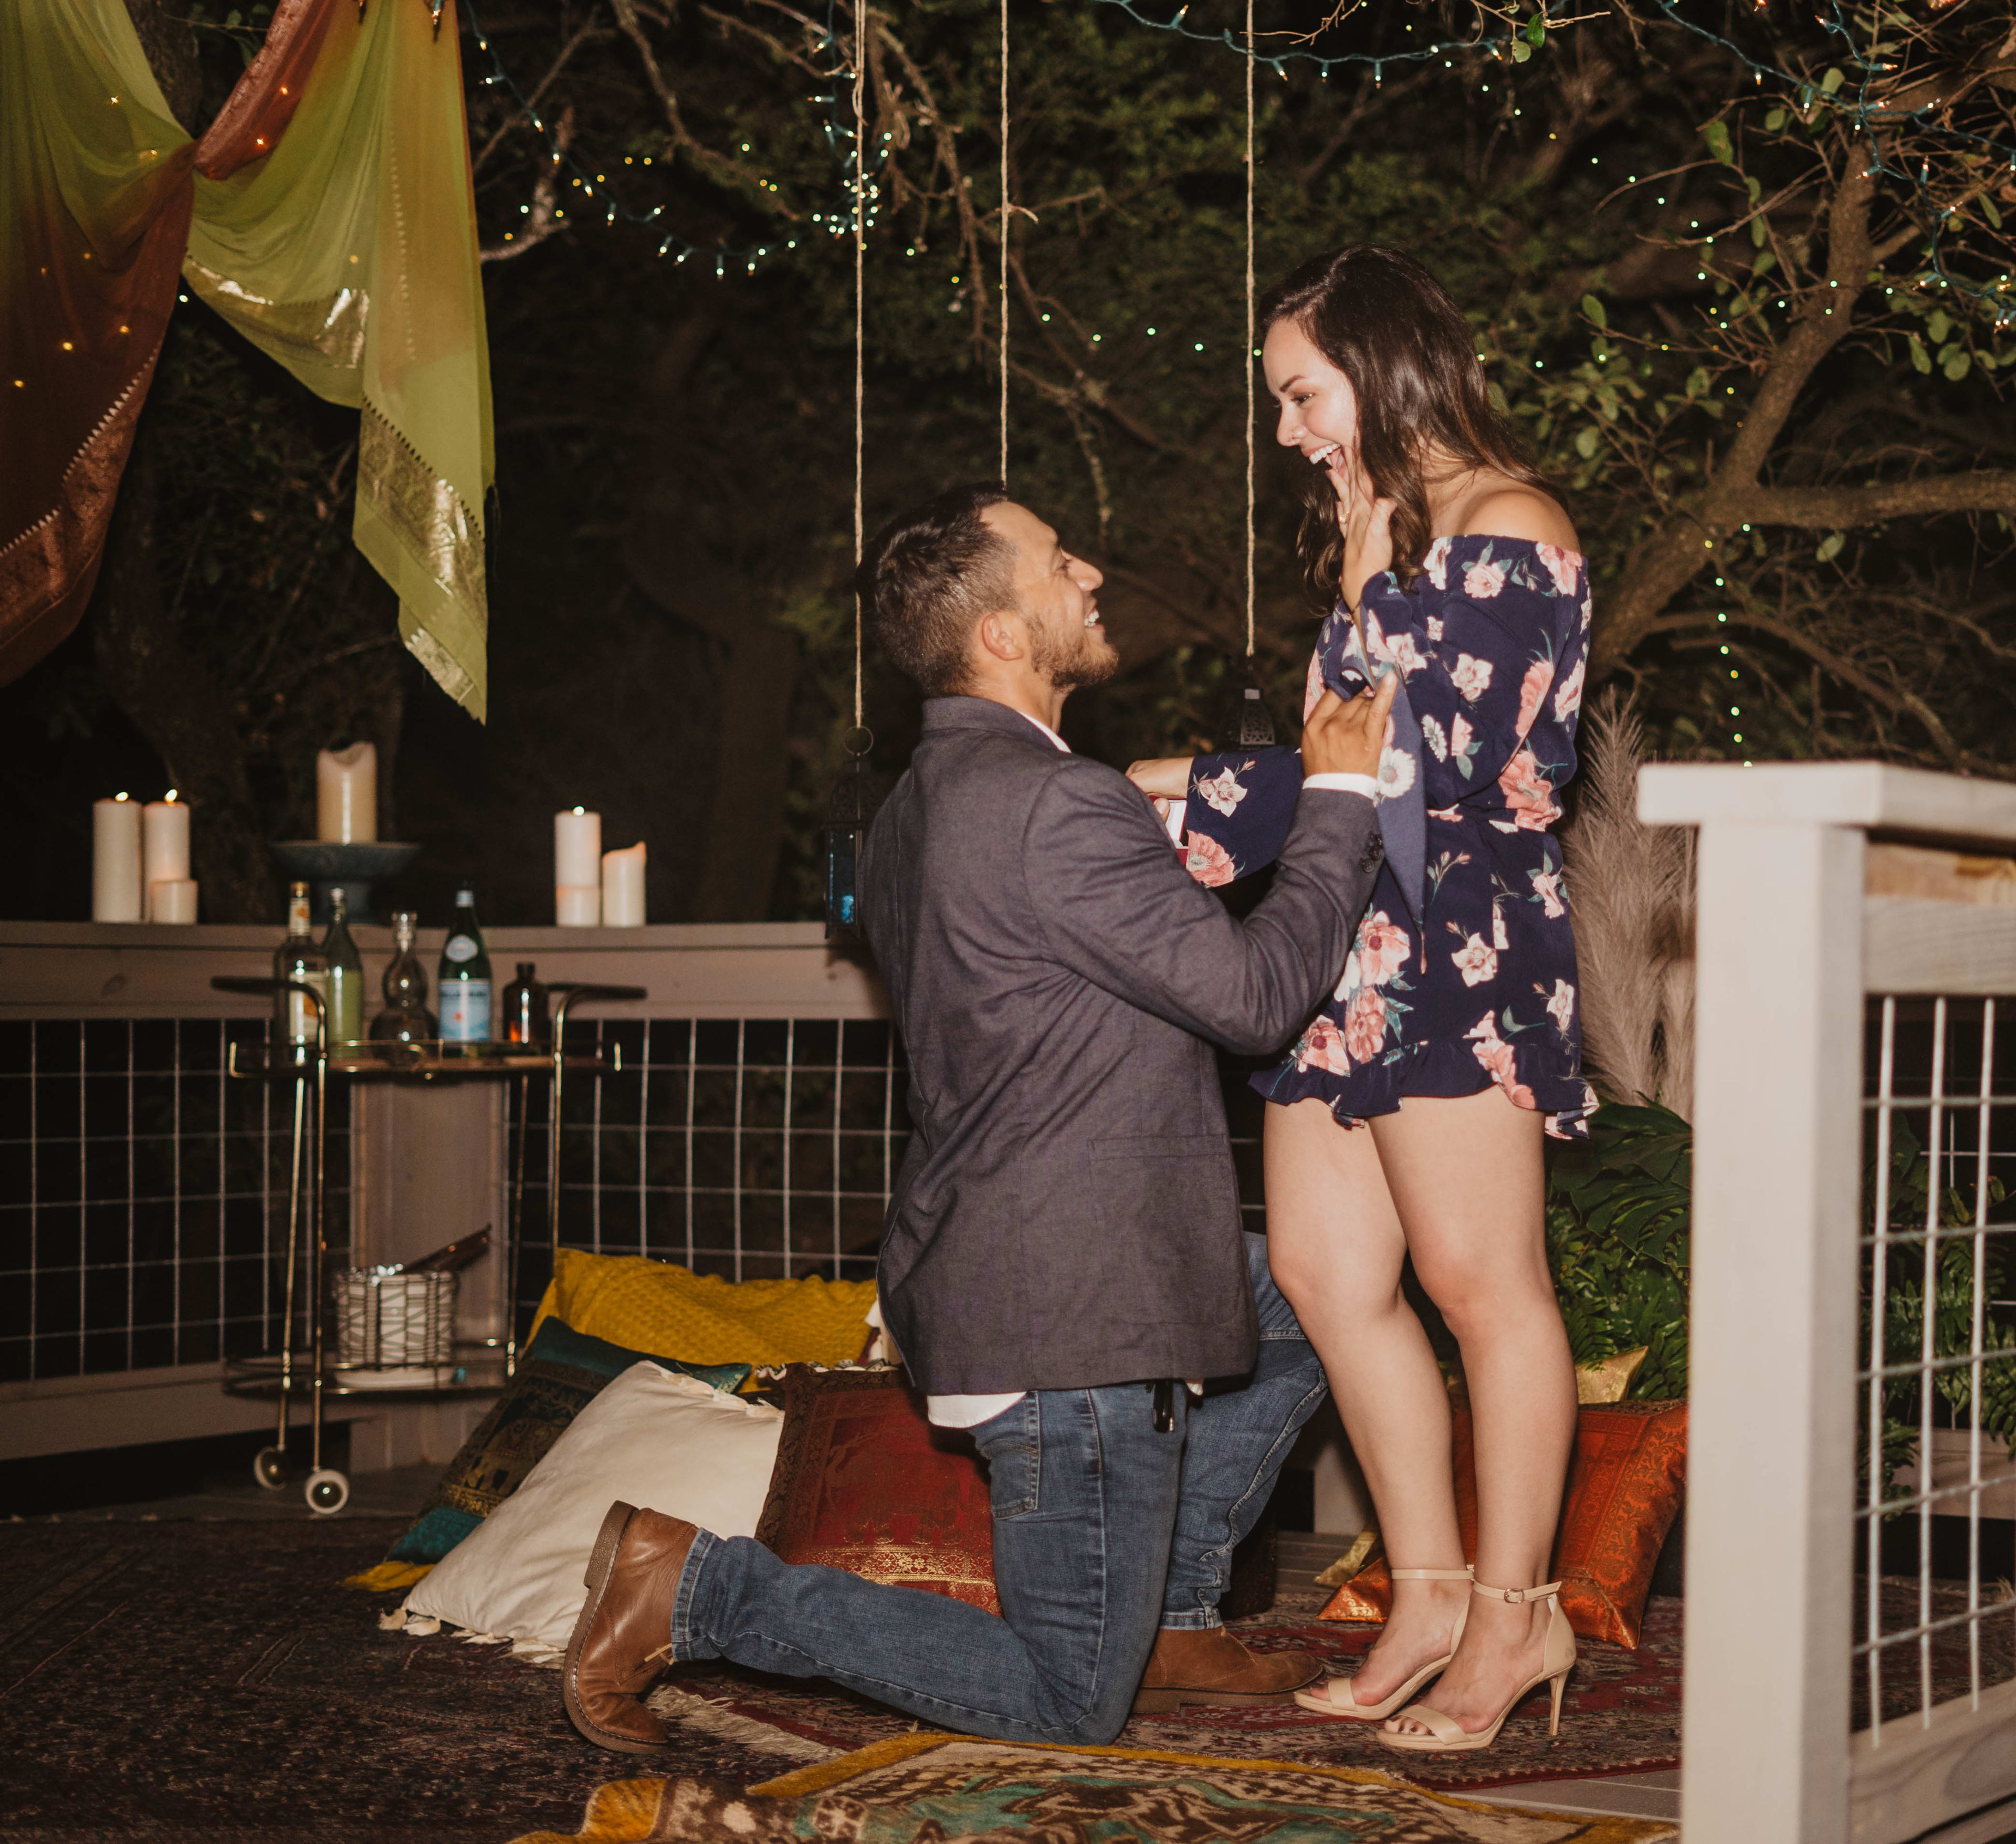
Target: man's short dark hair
x=928, y=576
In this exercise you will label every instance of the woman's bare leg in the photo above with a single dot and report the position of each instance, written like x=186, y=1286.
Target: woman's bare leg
x=1467, y=1179
x=1335, y=1244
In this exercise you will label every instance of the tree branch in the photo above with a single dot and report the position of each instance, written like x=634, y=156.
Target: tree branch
x=1833, y=509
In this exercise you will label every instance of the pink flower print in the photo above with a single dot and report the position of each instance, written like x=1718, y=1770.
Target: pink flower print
x=1475, y=961
x=1472, y=677
x=1396, y=773
x=1444, y=813
x=1401, y=651
x=1222, y=792
x=1532, y=689
x=1547, y=887
x=1528, y=793
x=1436, y=562
x=1434, y=624
x=1482, y=581
x=1498, y=939
x=1207, y=860
x=1462, y=740
x=1382, y=949
x=1495, y=1054
x=1587, y=608
x=1323, y=1047
x=1560, y=1008
x=1313, y=691
x=1561, y=566
x=1365, y=1026
x=1436, y=737
x=1568, y=701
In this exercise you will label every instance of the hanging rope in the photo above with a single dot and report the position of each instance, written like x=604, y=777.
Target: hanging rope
x=860, y=322
x=1004, y=244
x=1247, y=349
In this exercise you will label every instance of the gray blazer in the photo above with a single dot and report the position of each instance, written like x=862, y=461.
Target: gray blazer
x=1066, y=1214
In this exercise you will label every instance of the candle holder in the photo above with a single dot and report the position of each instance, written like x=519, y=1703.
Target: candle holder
x=352, y=869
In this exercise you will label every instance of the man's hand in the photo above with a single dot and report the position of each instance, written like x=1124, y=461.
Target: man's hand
x=1344, y=737
x=1162, y=777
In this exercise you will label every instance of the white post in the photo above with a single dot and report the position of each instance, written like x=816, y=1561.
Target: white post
x=1770, y=1551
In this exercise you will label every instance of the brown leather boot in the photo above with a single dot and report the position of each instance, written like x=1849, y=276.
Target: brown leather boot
x=623, y=1638
x=1207, y=1665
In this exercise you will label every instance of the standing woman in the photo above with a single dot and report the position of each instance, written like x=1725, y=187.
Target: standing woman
x=1408, y=1119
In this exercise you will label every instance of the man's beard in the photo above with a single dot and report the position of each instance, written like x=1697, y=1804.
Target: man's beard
x=1087, y=659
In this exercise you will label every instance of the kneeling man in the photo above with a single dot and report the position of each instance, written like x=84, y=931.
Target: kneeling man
x=1062, y=1252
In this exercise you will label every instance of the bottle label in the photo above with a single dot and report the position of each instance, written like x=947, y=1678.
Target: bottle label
x=301, y=1011
x=465, y=1013
x=460, y=948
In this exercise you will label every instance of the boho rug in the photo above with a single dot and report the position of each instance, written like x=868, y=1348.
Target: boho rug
x=934, y=1788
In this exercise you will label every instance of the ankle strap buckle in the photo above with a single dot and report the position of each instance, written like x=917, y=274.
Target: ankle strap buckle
x=1518, y=1596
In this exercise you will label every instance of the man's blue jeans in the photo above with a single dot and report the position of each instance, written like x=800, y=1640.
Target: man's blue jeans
x=1103, y=1530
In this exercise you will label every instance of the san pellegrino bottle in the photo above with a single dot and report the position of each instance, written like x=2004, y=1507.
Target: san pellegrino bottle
x=345, y=974
x=406, y=1018
x=300, y=959
x=465, y=976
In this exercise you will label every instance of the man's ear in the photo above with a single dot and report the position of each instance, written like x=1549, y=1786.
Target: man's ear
x=1001, y=635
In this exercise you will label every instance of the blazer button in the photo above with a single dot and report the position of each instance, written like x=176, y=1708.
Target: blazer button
x=1373, y=856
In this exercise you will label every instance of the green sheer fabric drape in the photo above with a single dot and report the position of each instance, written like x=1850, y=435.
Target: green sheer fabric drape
x=332, y=224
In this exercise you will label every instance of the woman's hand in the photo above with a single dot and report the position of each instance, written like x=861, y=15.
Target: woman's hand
x=1162, y=778
x=1366, y=522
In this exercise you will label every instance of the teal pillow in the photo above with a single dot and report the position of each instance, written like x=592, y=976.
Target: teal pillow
x=561, y=1372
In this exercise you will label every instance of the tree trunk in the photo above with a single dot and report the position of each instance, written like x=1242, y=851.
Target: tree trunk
x=176, y=703
x=752, y=767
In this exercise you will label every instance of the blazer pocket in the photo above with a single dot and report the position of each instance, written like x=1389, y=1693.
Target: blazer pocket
x=1161, y=1146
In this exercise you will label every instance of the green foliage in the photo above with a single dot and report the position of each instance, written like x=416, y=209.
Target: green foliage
x=1617, y=1241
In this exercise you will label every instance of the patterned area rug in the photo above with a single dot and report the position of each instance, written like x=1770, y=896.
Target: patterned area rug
x=932, y=1789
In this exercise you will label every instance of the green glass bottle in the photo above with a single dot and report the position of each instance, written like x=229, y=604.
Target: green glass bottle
x=345, y=975
x=464, y=976
x=299, y=959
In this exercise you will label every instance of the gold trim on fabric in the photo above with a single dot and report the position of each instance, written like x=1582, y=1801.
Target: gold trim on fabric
x=332, y=328
x=442, y=666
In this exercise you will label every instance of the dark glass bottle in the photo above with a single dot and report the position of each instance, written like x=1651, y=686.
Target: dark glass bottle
x=527, y=1019
x=345, y=974
x=299, y=959
x=465, y=976
x=406, y=1018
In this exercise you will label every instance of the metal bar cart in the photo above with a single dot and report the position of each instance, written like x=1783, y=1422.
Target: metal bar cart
x=488, y=1363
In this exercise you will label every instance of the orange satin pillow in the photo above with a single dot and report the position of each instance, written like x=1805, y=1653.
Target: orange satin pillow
x=864, y=1482
x=1625, y=1486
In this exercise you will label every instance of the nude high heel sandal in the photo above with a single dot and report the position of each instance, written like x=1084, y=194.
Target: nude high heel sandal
x=1557, y=1656
x=1334, y=1698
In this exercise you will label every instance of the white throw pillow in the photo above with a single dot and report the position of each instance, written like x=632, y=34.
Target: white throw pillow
x=650, y=1439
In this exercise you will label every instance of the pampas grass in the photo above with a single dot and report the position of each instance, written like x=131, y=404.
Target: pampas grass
x=1631, y=892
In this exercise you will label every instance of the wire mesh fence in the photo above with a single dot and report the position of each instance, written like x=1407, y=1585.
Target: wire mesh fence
x=1936, y=1377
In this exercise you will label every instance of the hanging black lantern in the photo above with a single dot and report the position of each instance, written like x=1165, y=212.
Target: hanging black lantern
x=1247, y=723
x=849, y=813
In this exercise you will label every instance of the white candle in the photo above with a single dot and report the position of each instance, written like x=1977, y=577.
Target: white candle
x=116, y=889
x=577, y=847
x=623, y=888
x=577, y=905
x=164, y=849
x=172, y=899
x=346, y=794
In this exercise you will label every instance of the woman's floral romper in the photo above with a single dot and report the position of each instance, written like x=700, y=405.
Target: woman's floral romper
x=1464, y=972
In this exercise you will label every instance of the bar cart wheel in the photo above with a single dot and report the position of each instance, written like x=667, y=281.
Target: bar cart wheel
x=328, y=1491
x=269, y=1467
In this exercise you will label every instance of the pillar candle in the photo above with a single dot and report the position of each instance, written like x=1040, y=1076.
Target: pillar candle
x=164, y=848
x=172, y=899
x=346, y=794
x=576, y=848
x=623, y=888
x=116, y=889
x=577, y=905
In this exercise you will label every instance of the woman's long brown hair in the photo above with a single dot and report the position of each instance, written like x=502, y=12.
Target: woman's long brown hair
x=1391, y=328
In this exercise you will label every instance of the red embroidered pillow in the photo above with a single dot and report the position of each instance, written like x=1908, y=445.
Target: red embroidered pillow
x=1625, y=1486
x=864, y=1482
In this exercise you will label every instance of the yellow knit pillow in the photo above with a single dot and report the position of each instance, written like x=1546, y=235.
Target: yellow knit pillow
x=652, y=1306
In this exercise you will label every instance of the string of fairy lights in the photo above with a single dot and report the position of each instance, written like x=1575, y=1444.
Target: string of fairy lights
x=1865, y=115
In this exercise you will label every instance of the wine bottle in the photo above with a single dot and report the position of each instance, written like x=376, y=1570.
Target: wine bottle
x=345, y=975
x=297, y=959
x=406, y=1018
x=526, y=1019
x=465, y=976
